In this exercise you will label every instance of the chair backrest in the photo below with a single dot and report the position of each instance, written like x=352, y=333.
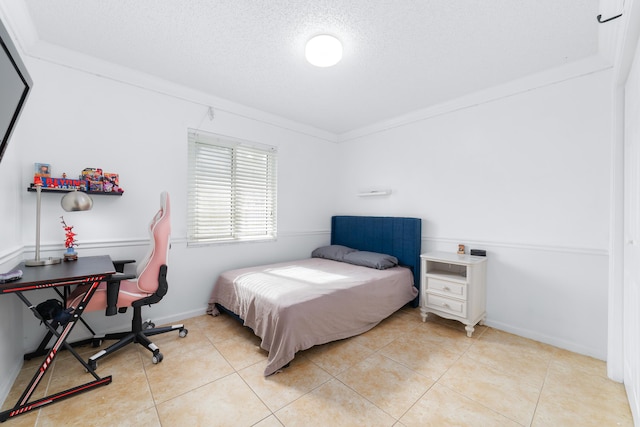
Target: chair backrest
x=158, y=254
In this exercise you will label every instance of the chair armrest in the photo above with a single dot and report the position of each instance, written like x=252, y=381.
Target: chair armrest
x=119, y=264
x=113, y=287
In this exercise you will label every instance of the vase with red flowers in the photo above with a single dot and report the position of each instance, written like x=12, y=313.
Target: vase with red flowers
x=69, y=242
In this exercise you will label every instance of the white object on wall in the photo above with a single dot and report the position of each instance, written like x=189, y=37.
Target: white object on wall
x=369, y=193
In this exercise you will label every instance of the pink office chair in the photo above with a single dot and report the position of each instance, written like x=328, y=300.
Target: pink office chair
x=147, y=287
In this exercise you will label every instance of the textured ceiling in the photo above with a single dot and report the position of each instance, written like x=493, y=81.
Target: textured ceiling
x=399, y=55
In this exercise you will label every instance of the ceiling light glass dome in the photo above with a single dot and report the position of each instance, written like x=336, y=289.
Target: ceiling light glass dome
x=323, y=51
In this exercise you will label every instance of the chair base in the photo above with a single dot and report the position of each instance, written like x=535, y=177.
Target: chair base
x=139, y=334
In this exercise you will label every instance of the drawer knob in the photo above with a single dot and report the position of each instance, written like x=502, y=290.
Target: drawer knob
x=446, y=288
x=446, y=305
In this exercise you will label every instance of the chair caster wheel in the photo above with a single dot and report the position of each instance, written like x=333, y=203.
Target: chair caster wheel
x=148, y=325
x=96, y=343
x=93, y=364
x=157, y=358
x=183, y=333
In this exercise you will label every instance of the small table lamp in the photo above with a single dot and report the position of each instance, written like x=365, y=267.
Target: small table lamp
x=72, y=201
x=76, y=201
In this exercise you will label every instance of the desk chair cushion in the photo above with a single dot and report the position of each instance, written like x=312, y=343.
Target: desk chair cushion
x=160, y=233
x=129, y=292
x=146, y=282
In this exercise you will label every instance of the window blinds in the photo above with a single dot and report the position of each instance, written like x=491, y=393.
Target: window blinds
x=232, y=189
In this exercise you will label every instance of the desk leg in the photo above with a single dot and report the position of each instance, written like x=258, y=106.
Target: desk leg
x=23, y=405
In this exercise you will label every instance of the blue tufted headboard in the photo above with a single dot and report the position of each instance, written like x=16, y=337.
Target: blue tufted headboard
x=397, y=236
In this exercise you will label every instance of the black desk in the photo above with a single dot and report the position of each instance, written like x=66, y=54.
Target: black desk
x=86, y=270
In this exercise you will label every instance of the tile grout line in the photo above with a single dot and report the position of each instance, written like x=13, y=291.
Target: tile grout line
x=475, y=341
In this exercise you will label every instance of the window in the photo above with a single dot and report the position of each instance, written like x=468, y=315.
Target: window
x=232, y=189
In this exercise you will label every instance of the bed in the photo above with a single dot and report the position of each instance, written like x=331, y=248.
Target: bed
x=345, y=288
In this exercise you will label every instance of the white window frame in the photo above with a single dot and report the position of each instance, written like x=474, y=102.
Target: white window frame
x=232, y=194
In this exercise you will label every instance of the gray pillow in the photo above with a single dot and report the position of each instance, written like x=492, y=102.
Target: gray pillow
x=371, y=259
x=332, y=252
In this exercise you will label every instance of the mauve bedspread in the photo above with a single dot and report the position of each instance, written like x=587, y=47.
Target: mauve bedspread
x=295, y=305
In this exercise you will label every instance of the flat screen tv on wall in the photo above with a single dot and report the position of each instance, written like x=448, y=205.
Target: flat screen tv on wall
x=15, y=84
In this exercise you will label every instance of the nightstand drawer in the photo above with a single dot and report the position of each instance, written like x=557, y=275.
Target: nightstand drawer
x=448, y=305
x=447, y=288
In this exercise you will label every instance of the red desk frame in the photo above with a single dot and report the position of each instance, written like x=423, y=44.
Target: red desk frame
x=86, y=270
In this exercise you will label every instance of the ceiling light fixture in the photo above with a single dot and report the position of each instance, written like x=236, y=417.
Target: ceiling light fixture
x=323, y=51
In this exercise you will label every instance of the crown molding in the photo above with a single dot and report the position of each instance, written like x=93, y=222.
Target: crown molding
x=16, y=18
x=576, y=69
x=104, y=69
x=609, y=32
x=627, y=33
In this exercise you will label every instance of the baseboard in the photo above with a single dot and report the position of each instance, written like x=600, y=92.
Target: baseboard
x=633, y=396
x=158, y=320
x=177, y=317
x=8, y=378
x=546, y=339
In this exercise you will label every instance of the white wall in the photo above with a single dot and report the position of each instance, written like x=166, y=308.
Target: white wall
x=10, y=254
x=631, y=289
x=525, y=176
x=76, y=120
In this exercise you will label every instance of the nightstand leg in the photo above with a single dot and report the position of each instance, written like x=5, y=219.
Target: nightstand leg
x=424, y=315
x=469, y=329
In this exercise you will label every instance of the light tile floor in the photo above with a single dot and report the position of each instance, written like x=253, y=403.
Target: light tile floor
x=402, y=373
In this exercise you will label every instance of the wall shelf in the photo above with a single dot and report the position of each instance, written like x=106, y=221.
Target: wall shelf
x=67, y=190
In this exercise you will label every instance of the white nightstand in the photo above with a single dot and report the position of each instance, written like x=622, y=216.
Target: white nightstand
x=454, y=286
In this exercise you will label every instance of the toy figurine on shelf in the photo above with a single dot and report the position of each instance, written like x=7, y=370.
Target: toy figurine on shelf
x=111, y=182
x=69, y=242
x=94, y=178
x=43, y=169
